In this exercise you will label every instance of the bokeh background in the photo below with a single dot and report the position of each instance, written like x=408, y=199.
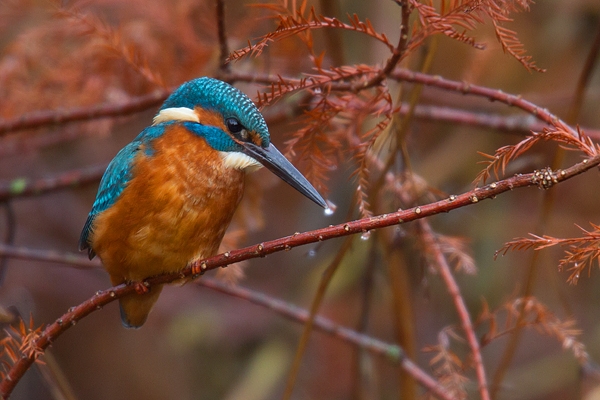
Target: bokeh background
x=200, y=344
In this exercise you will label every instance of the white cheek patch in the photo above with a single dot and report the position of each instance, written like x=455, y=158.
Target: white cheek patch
x=238, y=160
x=176, y=114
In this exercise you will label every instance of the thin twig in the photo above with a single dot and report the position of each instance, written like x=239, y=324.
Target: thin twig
x=459, y=303
x=317, y=300
x=584, y=78
x=223, y=48
x=39, y=119
x=398, y=52
x=23, y=187
x=9, y=235
x=70, y=259
x=392, y=352
x=492, y=94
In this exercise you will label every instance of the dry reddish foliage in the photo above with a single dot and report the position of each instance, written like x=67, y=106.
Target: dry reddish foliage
x=73, y=73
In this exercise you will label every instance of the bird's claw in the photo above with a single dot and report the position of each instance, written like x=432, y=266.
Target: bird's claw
x=141, y=287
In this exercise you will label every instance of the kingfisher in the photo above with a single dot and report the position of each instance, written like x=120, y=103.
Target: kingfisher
x=167, y=198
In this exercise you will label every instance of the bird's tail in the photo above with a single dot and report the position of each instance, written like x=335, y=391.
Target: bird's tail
x=136, y=307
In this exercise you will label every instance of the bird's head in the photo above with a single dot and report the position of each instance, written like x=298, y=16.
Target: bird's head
x=231, y=124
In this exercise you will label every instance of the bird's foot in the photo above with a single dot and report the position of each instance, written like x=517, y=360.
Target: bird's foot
x=141, y=287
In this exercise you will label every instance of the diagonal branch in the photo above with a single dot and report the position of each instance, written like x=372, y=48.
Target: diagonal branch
x=101, y=298
x=459, y=304
x=392, y=352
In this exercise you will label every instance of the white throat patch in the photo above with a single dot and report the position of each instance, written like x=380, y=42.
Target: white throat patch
x=175, y=114
x=237, y=160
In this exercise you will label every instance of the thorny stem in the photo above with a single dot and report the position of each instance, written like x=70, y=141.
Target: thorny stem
x=459, y=304
x=54, y=330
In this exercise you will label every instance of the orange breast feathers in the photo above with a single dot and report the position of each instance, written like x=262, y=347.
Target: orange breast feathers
x=175, y=209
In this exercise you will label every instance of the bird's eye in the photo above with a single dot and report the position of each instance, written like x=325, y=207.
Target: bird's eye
x=234, y=125
x=237, y=129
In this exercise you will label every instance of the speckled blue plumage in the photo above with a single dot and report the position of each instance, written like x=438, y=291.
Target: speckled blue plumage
x=116, y=177
x=213, y=94
x=206, y=93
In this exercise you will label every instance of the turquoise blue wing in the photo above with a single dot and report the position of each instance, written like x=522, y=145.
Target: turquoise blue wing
x=115, y=180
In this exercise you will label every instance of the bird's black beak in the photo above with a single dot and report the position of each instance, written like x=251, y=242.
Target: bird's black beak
x=275, y=162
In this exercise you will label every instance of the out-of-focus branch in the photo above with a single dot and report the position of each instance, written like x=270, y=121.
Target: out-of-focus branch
x=584, y=78
x=459, y=303
x=9, y=235
x=22, y=187
x=519, y=124
x=492, y=94
x=54, y=330
x=68, y=259
x=39, y=119
x=325, y=325
x=223, y=48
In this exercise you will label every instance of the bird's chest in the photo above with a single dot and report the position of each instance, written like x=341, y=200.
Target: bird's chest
x=176, y=208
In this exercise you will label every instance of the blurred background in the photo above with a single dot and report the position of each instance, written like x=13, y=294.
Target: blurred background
x=201, y=344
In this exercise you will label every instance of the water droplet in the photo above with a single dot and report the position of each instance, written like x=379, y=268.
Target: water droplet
x=418, y=210
x=112, y=294
x=320, y=238
x=312, y=253
x=203, y=266
x=226, y=254
x=365, y=235
x=73, y=322
x=59, y=322
x=347, y=228
x=330, y=209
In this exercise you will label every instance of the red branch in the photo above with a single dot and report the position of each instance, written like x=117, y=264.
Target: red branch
x=392, y=352
x=492, y=94
x=461, y=307
x=101, y=298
